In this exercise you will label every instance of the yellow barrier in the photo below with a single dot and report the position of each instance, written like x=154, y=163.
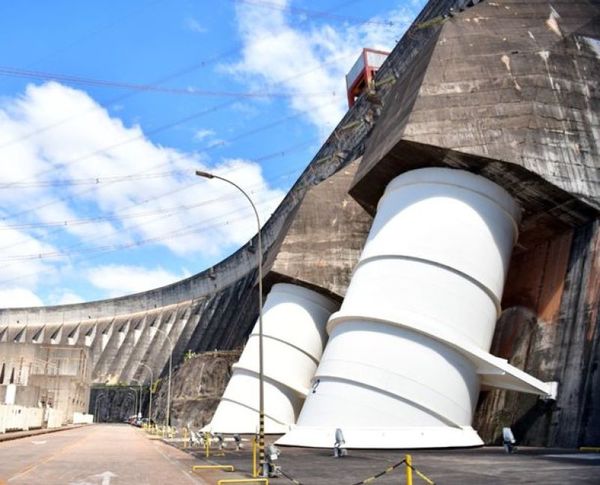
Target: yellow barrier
x=589, y=448
x=226, y=468
x=244, y=480
x=409, y=473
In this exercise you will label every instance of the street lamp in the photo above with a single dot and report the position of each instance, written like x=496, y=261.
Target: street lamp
x=170, y=371
x=261, y=380
x=151, y=382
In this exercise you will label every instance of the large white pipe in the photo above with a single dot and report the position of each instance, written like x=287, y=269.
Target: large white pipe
x=408, y=347
x=294, y=321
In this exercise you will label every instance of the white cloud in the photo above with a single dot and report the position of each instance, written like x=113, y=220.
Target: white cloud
x=122, y=279
x=203, y=134
x=68, y=298
x=16, y=297
x=175, y=210
x=275, y=51
x=376, y=36
x=19, y=264
x=192, y=24
x=184, y=215
x=208, y=138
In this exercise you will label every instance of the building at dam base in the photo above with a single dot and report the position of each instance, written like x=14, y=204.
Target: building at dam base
x=452, y=213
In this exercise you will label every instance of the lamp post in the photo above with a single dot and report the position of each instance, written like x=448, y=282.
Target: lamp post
x=261, y=380
x=151, y=382
x=170, y=372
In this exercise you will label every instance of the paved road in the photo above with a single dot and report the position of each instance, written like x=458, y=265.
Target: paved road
x=487, y=466
x=103, y=454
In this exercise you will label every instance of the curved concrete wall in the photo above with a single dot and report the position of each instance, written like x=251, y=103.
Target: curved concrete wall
x=405, y=350
x=294, y=336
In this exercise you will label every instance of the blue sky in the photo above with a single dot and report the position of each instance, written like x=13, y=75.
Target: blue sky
x=106, y=109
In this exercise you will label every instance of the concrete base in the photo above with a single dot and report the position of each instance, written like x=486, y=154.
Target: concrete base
x=383, y=438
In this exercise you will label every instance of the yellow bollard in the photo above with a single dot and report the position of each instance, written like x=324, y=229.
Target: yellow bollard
x=408, y=470
x=207, y=444
x=254, y=467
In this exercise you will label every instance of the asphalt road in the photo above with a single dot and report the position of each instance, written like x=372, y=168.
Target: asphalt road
x=101, y=454
x=120, y=454
x=477, y=466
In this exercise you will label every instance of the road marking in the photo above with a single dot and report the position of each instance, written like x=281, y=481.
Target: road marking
x=106, y=476
x=29, y=468
x=39, y=442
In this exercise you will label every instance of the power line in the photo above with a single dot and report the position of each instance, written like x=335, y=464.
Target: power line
x=166, y=213
x=191, y=91
x=71, y=197
x=124, y=216
x=273, y=123
x=186, y=70
x=92, y=252
x=144, y=174
x=89, y=180
x=161, y=128
x=314, y=13
x=179, y=189
x=170, y=125
x=118, y=247
x=141, y=136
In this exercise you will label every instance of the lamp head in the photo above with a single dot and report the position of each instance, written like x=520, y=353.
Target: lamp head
x=206, y=175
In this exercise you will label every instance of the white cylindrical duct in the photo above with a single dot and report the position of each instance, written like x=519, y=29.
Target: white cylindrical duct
x=294, y=336
x=395, y=373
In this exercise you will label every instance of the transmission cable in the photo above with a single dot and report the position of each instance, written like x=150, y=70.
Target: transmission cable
x=191, y=91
